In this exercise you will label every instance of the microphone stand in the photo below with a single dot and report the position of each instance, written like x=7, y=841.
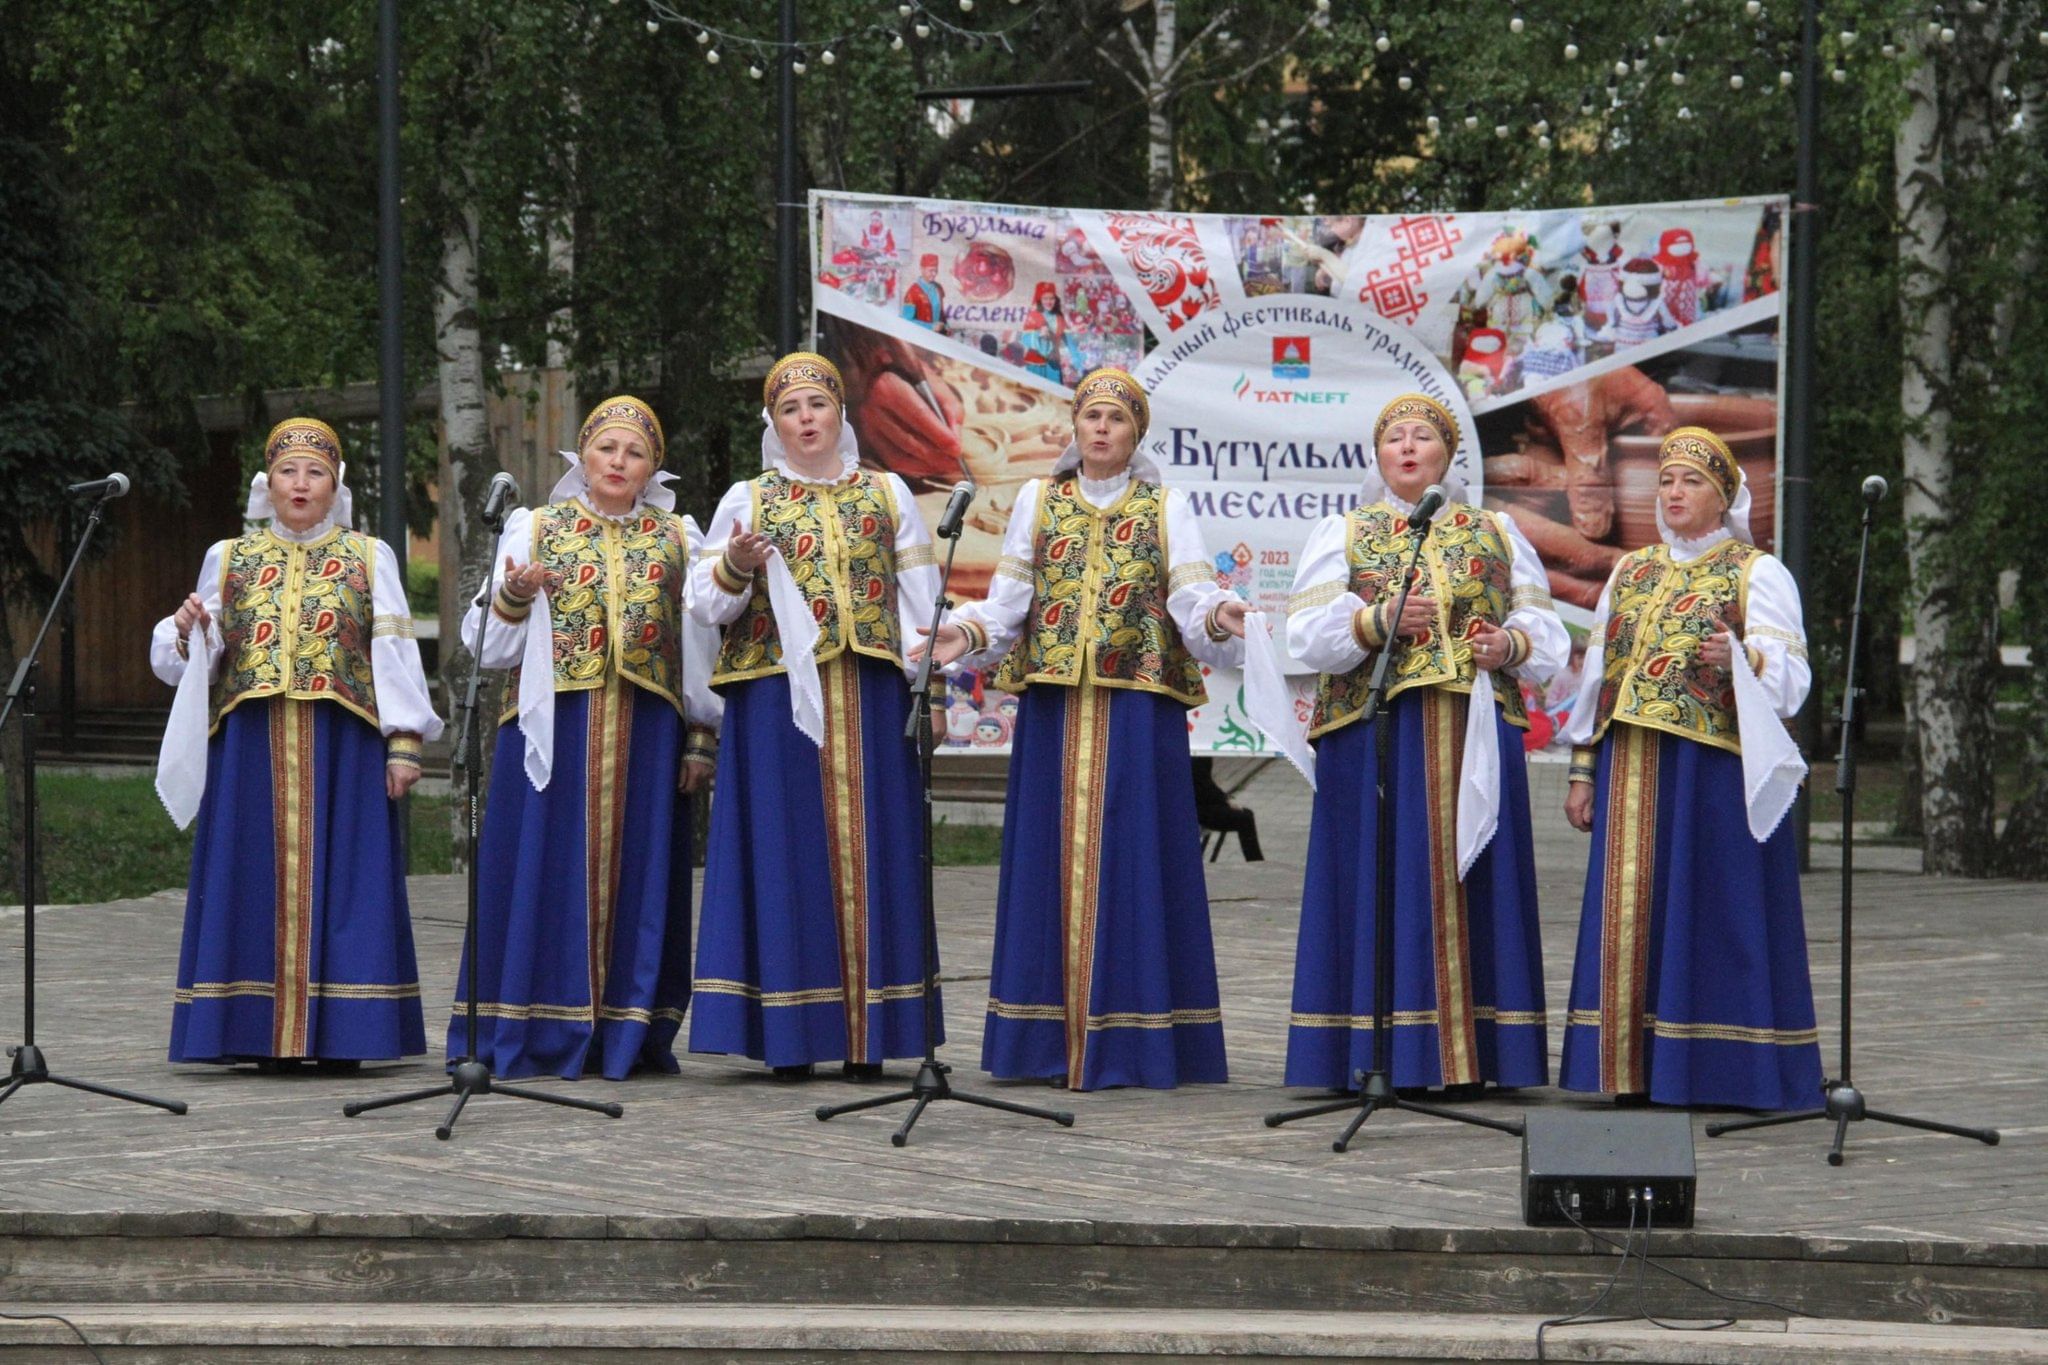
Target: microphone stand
x=931, y=1083
x=472, y=1076
x=1376, y=1087
x=30, y=1067
x=1844, y=1103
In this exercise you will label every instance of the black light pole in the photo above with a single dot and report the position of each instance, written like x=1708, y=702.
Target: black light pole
x=787, y=225
x=390, y=340
x=1795, y=527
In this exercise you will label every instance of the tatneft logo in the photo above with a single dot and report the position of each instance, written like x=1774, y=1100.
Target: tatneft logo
x=1290, y=357
x=1243, y=391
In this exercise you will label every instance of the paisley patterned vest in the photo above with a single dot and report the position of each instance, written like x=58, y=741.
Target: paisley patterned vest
x=839, y=541
x=297, y=622
x=1466, y=565
x=1658, y=616
x=1098, y=606
x=619, y=603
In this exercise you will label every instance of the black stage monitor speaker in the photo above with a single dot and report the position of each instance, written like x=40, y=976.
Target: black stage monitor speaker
x=1587, y=1163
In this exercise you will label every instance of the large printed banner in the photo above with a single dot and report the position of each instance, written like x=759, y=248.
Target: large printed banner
x=1567, y=341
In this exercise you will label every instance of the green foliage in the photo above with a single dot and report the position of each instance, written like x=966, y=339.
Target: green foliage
x=423, y=586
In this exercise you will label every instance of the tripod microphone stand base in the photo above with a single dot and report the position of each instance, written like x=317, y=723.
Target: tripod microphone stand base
x=472, y=1077
x=30, y=1069
x=1375, y=1093
x=931, y=1084
x=1846, y=1105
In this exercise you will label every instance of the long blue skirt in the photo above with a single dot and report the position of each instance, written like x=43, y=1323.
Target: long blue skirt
x=298, y=939
x=1468, y=958
x=1104, y=972
x=811, y=945
x=583, y=896
x=1691, y=981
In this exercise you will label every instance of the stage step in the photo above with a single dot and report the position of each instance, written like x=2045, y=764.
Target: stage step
x=473, y=1334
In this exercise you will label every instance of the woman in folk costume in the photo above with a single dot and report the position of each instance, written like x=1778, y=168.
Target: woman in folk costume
x=583, y=916
x=1691, y=983
x=1468, y=965
x=298, y=940
x=1102, y=610
x=811, y=942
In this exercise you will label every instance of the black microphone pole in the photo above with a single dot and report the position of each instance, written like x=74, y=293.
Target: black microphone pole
x=931, y=1083
x=30, y=1067
x=472, y=1076
x=1376, y=1087
x=1844, y=1103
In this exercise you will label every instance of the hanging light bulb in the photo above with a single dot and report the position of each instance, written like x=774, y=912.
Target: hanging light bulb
x=922, y=30
x=1678, y=73
x=1753, y=8
x=1839, y=75
x=903, y=10
x=967, y=6
x=1515, y=24
x=1471, y=115
x=754, y=71
x=1434, y=123
x=1544, y=142
x=1540, y=126
x=712, y=56
x=1642, y=60
x=1736, y=80
x=1322, y=6
x=827, y=57
x=1586, y=102
x=1785, y=80
x=1571, y=47
x=1381, y=42
x=1685, y=113
x=1890, y=48
x=895, y=42
x=1621, y=68
x=798, y=66
x=703, y=37
x=1848, y=37
x=1501, y=130
x=654, y=26
x=1948, y=35
x=1405, y=81
x=1660, y=39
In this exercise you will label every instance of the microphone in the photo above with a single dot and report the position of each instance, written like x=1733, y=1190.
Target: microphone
x=112, y=486
x=504, y=488
x=956, y=510
x=1426, y=508
x=1874, y=489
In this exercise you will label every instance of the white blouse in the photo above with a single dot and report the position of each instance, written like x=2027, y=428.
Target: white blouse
x=1002, y=614
x=404, y=705
x=1775, y=628
x=505, y=641
x=1319, y=631
x=917, y=586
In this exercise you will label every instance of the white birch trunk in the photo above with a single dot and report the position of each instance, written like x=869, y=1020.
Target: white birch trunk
x=1949, y=663
x=468, y=463
x=1159, y=169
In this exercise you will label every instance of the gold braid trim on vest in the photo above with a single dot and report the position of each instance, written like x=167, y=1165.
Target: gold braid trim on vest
x=618, y=603
x=1659, y=614
x=839, y=541
x=1098, y=605
x=297, y=622
x=1467, y=565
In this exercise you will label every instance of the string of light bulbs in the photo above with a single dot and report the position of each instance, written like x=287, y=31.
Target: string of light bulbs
x=921, y=18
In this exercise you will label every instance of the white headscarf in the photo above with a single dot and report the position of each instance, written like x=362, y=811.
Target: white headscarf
x=575, y=484
x=340, y=512
x=773, y=454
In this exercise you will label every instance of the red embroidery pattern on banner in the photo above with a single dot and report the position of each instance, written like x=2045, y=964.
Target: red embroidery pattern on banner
x=1394, y=291
x=1170, y=264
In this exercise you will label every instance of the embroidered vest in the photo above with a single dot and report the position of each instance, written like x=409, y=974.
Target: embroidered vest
x=618, y=603
x=1660, y=614
x=1466, y=566
x=839, y=541
x=297, y=622
x=1098, y=607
